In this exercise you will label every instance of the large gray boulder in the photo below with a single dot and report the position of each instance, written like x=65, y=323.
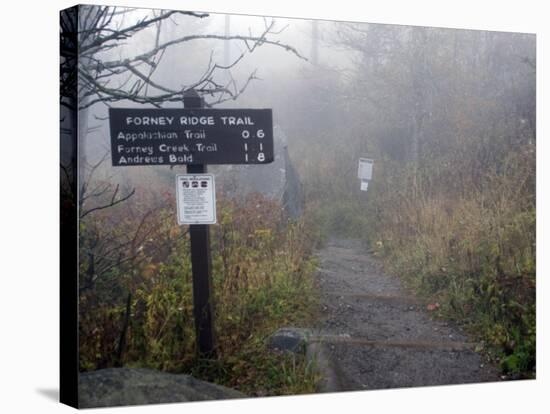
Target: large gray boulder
x=132, y=386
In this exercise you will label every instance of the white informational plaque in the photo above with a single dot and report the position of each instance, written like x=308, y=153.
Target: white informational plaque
x=364, y=171
x=196, y=199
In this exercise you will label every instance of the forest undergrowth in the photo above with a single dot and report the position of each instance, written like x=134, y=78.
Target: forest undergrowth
x=469, y=248
x=136, y=305
x=465, y=243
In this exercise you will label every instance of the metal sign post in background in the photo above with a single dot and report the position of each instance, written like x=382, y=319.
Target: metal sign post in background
x=201, y=262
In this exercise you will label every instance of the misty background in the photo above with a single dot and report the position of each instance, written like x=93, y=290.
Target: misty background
x=447, y=115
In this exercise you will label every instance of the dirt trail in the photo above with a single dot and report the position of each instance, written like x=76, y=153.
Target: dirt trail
x=376, y=335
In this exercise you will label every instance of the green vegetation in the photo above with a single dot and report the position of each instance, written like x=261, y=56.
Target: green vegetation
x=459, y=233
x=449, y=118
x=471, y=251
x=263, y=280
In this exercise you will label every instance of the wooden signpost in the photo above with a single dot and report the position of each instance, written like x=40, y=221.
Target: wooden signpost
x=193, y=136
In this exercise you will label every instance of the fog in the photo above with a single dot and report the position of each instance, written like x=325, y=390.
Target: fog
x=338, y=90
x=445, y=116
x=275, y=69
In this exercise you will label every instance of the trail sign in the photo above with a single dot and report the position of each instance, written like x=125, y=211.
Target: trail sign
x=364, y=172
x=365, y=169
x=174, y=136
x=193, y=136
x=196, y=199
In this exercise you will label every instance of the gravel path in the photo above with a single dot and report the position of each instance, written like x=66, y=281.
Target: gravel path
x=376, y=335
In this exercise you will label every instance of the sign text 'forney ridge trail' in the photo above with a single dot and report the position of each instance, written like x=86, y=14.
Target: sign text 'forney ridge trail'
x=174, y=136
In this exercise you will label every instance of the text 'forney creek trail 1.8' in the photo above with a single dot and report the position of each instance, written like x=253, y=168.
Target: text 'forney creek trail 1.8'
x=174, y=136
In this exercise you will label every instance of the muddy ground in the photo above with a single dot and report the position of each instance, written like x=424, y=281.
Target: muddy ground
x=377, y=335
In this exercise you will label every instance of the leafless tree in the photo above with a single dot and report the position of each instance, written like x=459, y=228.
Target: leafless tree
x=110, y=55
x=104, y=31
x=91, y=75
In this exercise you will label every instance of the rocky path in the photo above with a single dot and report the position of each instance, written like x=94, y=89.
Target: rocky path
x=376, y=335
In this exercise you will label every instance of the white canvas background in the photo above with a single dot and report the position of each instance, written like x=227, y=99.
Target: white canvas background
x=29, y=206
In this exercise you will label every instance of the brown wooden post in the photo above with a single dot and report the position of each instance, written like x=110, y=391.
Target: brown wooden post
x=201, y=262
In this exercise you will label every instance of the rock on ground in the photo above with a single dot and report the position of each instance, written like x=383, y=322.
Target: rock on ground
x=132, y=386
x=289, y=339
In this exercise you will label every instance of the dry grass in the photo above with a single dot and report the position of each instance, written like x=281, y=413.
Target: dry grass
x=471, y=250
x=263, y=280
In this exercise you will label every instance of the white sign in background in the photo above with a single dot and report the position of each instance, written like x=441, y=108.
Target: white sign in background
x=365, y=169
x=196, y=199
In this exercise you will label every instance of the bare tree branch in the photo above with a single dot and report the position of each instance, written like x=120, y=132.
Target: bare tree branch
x=112, y=203
x=108, y=81
x=131, y=30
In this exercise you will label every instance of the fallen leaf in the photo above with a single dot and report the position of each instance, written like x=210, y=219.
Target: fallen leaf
x=432, y=306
